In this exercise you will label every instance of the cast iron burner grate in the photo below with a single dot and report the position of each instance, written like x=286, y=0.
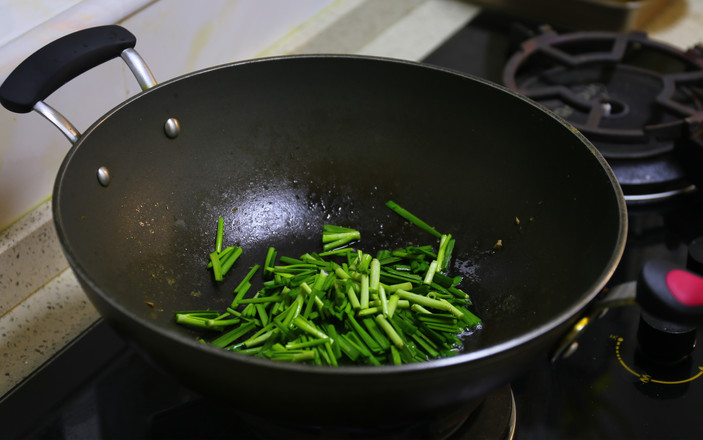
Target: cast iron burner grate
x=634, y=98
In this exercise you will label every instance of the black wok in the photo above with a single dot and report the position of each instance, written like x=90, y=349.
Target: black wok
x=280, y=146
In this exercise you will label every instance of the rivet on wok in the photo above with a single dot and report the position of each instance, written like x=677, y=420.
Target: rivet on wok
x=104, y=176
x=570, y=350
x=172, y=128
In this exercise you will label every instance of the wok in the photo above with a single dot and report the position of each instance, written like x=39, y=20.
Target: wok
x=280, y=146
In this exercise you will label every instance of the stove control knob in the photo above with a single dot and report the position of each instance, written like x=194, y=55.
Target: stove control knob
x=672, y=305
x=669, y=292
x=664, y=341
x=694, y=262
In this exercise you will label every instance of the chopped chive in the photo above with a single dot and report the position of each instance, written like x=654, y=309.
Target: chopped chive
x=310, y=343
x=412, y=218
x=352, y=297
x=371, y=311
x=453, y=310
x=260, y=300
x=392, y=335
x=469, y=318
x=354, y=339
x=392, y=304
x=364, y=292
x=374, y=275
x=421, y=300
x=395, y=356
x=449, y=249
x=260, y=339
x=295, y=310
x=348, y=348
x=233, y=335
x=430, y=272
x=342, y=251
x=341, y=306
x=263, y=316
x=222, y=255
x=375, y=333
x=419, y=309
x=362, y=334
x=304, y=325
x=393, y=287
x=229, y=260
x=384, y=300
x=442, y=251
x=216, y=266
x=269, y=262
x=218, y=238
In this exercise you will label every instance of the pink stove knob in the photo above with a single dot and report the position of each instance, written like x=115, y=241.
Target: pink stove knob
x=668, y=292
x=686, y=287
x=671, y=299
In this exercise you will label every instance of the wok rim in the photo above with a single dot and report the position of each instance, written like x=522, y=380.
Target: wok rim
x=514, y=343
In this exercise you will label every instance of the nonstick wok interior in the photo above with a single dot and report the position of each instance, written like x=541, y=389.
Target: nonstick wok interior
x=280, y=147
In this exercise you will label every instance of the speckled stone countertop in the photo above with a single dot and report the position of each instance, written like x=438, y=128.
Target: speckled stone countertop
x=42, y=307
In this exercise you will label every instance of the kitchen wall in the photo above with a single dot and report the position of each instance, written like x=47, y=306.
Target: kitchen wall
x=174, y=36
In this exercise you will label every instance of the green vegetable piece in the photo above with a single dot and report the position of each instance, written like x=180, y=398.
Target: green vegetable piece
x=260, y=339
x=218, y=237
x=447, y=254
x=423, y=300
x=374, y=276
x=337, y=236
x=384, y=300
x=263, y=316
x=341, y=306
x=376, y=334
x=364, y=350
x=364, y=294
x=469, y=318
x=363, y=335
x=430, y=272
x=306, y=326
x=442, y=251
x=233, y=335
x=268, y=263
x=225, y=252
x=335, y=346
x=412, y=218
x=216, y=266
x=228, y=261
x=390, y=331
x=347, y=347
x=395, y=356
x=353, y=299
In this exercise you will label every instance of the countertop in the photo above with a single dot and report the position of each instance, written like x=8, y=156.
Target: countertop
x=42, y=307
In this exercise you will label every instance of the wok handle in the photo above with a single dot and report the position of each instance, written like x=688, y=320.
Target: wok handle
x=52, y=66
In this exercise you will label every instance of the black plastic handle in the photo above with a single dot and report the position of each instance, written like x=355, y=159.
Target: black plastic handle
x=52, y=66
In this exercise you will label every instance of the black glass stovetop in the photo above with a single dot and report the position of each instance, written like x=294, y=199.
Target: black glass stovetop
x=99, y=387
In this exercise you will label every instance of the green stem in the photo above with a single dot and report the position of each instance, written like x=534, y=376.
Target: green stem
x=412, y=218
x=305, y=326
x=218, y=238
x=390, y=331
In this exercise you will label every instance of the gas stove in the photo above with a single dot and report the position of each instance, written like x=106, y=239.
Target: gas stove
x=603, y=386
x=634, y=99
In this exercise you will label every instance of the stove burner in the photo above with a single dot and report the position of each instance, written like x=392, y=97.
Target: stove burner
x=632, y=97
x=493, y=417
